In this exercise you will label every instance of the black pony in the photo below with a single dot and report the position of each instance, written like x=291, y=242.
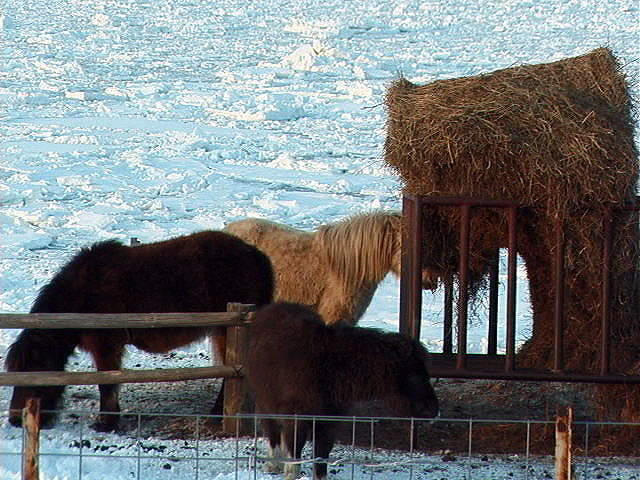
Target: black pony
x=201, y=272
x=299, y=365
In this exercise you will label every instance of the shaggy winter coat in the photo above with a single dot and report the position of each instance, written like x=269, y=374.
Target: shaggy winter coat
x=298, y=365
x=195, y=273
x=335, y=269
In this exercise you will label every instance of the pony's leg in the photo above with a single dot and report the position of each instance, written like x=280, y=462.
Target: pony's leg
x=294, y=436
x=109, y=406
x=344, y=303
x=108, y=356
x=272, y=431
x=219, y=344
x=333, y=310
x=323, y=443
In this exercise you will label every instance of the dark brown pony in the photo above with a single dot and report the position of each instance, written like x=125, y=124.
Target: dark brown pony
x=299, y=365
x=195, y=273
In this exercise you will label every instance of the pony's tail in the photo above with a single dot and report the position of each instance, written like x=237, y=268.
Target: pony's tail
x=41, y=350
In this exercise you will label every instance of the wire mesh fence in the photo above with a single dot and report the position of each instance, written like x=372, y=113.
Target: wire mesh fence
x=382, y=448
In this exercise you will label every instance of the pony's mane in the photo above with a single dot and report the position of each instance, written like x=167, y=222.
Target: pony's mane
x=358, y=248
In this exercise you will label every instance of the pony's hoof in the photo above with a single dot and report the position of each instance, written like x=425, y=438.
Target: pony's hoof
x=273, y=467
x=291, y=471
x=15, y=420
x=102, y=426
x=47, y=421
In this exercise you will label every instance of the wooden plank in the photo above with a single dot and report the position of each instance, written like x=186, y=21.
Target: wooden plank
x=118, y=376
x=31, y=425
x=120, y=320
x=563, y=443
x=492, y=367
x=411, y=273
x=236, y=390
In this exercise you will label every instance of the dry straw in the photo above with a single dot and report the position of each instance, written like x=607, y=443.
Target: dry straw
x=557, y=139
x=556, y=135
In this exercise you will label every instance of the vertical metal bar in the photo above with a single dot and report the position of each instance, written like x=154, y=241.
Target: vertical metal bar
x=463, y=294
x=412, y=437
x=492, y=334
x=255, y=447
x=81, y=446
x=511, y=290
x=139, y=449
x=469, y=455
x=197, y=447
x=410, y=274
x=606, y=290
x=558, y=312
x=447, y=334
x=371, y=450
x=237, y=455
x=528, y=449
x=353, y=448
x=314, y=456
x=586, y=449
x=416, y=271
x=406, y=265
x=295, y=439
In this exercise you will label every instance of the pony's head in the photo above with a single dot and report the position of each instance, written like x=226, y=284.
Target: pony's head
x=49, y=402
x=416, y=385
x=34, y=351
x=430, y=275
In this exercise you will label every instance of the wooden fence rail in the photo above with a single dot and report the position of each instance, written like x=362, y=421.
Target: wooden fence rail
x=26, y=379
x=235, y=320
x=122, y=320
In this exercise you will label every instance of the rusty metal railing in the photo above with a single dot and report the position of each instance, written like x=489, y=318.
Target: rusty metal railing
x=491, y=365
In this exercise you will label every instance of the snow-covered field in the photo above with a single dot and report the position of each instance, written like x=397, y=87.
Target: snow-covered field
x=150, y=119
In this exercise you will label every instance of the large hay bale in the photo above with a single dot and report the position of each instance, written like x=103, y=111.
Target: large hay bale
x=556, y=135
x=558, y=139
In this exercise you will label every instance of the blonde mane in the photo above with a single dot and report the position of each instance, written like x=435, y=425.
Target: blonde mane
x=361, y=249
x=336, y=268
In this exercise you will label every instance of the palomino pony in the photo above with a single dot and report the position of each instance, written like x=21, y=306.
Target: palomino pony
x=195, y=273
x=335, y=269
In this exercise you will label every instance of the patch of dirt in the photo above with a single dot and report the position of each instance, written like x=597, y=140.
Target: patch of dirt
x=483, y=412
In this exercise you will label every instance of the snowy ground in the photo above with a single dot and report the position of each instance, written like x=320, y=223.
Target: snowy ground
x=152, y=119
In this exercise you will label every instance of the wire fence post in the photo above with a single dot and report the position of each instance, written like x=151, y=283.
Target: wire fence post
x=236, y=391
x=563, y=443
x=31, y=425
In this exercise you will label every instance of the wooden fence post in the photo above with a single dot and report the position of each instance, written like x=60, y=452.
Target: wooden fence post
x=236, y=391
x=563, y=443
x=31, y=425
